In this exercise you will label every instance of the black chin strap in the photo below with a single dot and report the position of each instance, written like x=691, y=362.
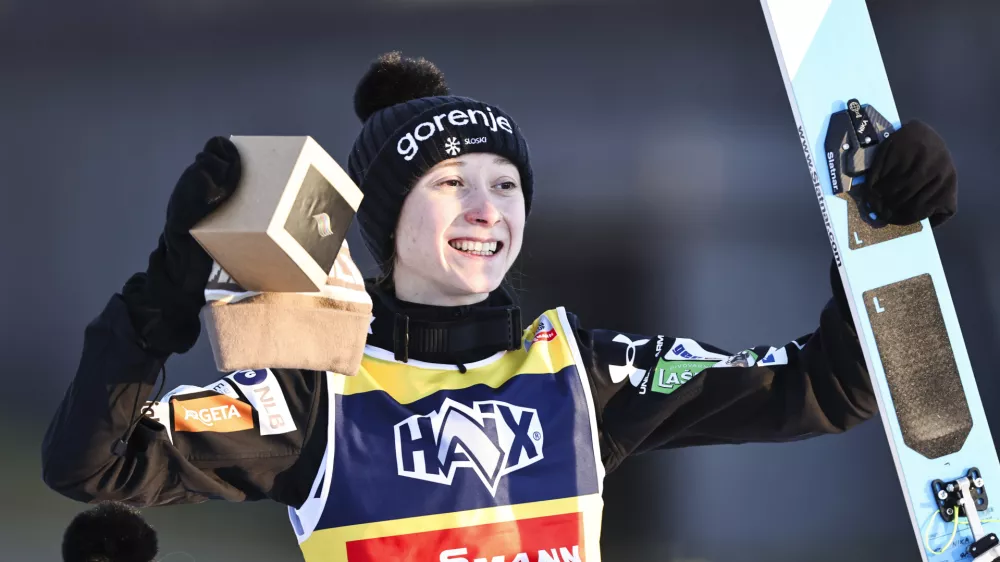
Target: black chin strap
x=441, y=337
x=498, y=328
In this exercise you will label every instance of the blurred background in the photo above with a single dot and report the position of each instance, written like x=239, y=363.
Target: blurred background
x=665, y=153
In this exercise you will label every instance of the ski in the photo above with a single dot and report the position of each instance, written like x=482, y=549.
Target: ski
x=929, y=403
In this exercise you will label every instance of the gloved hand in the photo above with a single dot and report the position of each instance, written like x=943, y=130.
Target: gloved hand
x=164, y=302
x=912, y=177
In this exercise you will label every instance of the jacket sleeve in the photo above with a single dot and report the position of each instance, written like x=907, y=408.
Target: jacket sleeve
x=251, y=435
x=656, y=391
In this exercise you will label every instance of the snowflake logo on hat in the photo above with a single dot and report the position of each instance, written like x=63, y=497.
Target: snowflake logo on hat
x=452, y=146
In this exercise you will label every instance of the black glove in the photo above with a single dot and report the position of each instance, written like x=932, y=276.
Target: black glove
x=912, y=177
x=164, y=302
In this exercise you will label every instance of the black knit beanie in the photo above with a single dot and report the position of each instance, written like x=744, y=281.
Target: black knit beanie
x=412, y=122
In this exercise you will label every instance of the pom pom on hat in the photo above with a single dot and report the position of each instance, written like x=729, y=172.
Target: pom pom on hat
x=392, y=79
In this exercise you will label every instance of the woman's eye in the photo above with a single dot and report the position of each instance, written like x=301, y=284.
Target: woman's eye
x=507, y=185
x=451, y=183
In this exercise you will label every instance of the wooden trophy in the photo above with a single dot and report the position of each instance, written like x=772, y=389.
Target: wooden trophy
x=277, y=296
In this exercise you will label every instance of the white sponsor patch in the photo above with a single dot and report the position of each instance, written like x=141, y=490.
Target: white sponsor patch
x=224, y=387
x=684, y=349
x=160, y=413
x=745, y=358
x=774, y=356
x=262, y=391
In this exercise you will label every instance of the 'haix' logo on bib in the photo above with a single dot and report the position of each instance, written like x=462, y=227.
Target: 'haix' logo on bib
x=409, y=144
x=491, y=438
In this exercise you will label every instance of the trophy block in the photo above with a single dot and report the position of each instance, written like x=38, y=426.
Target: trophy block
x=283, y=227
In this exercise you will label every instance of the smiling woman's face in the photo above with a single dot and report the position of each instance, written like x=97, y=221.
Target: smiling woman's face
x=459, y=231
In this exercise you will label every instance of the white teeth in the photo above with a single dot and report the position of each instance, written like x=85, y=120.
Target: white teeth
x=475, y=248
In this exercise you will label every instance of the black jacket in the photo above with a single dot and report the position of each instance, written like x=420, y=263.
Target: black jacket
x=650, y=392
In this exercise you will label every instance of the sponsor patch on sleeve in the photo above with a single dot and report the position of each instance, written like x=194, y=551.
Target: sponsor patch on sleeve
x=686, y=359
x=160, y=413
x=262, y=390
x=219, y=413
x=745, y=358
x=775, y=356
x=628, y=356
x=224, y=387
x=668, y=376
x=684, y=349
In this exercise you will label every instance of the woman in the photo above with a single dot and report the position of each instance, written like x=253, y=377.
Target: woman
x=462, y=435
